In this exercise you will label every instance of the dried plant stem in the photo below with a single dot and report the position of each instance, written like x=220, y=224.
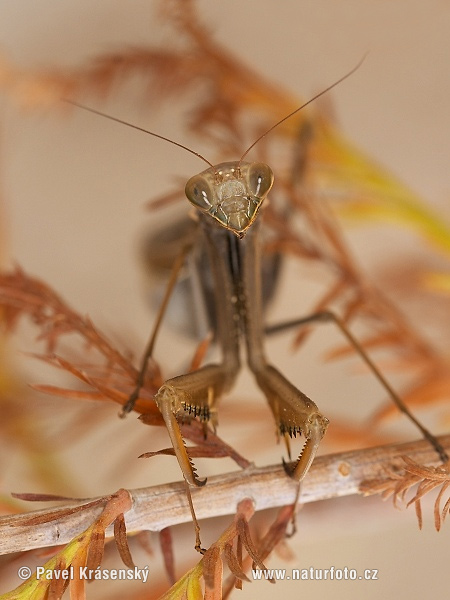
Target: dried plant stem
x=155, y=508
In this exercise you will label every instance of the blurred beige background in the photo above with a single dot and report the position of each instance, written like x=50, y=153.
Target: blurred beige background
x=73, y=193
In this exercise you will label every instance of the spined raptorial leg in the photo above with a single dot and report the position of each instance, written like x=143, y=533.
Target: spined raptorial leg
x=328, y=316
x=293, y=411
x=184, y=397
x=187, y=396
x=294, y=414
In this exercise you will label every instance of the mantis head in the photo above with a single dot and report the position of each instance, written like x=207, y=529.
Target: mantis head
x=231, y=193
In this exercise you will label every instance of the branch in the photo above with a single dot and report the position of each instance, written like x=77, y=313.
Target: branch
x=155, y=508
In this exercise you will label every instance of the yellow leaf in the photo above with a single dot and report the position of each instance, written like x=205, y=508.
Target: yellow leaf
x=36, y=589
x=367, y=191
x=439, y=282
x=185, y=585
x=193, y=588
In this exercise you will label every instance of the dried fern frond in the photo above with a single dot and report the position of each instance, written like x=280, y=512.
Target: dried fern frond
x=398, y=484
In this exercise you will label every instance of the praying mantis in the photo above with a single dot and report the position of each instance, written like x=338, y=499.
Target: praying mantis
x=228, y=198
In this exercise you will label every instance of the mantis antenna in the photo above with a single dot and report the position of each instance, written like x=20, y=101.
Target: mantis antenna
x=326, y=90
x=161, y=137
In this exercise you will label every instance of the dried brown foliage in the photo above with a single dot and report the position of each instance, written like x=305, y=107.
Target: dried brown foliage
x=237, y=106
x=229, y=548
x=113, y=378
x=84, y=551
x=397, y=485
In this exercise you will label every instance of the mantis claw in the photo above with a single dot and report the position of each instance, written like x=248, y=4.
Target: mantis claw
x=295, y=414
x=314, y=429
x=169, y=406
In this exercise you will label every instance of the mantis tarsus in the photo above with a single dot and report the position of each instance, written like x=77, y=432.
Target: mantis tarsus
x=228, y=198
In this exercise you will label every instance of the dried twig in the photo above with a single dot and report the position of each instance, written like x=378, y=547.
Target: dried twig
x=158, y=507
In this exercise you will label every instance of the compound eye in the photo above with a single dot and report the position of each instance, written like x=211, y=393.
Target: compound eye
x=199, y=193
x=259, y=180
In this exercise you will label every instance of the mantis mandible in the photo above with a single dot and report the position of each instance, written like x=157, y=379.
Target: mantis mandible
x=228, y=198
